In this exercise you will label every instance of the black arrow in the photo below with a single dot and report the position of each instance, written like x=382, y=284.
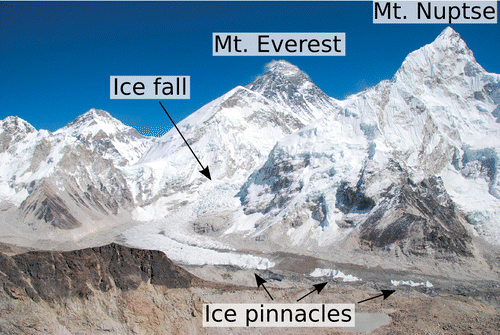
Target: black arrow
x=260, y=282
x=385, y=293
x=205, y=171
x=317, y=287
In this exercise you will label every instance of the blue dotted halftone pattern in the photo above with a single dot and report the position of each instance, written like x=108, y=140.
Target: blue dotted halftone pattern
x=154, y=131
x=151, y=131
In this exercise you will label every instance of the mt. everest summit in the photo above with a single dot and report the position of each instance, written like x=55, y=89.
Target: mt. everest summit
x=408, y=167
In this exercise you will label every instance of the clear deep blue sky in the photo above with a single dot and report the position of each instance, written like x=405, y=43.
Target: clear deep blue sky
x=56, y=57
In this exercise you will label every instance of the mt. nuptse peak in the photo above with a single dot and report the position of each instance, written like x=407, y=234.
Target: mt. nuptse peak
x=409, y=167
x=448, y=57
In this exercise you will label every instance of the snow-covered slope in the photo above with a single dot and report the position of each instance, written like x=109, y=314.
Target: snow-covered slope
x=232, y=134
x=21, y=145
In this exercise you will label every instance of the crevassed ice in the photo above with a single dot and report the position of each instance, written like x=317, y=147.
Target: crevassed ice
x=335, y=274
x=411, y=283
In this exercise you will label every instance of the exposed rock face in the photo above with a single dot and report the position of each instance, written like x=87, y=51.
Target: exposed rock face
x=51, y=209
x=419, y=219
x=56, y=276
x=352, y=200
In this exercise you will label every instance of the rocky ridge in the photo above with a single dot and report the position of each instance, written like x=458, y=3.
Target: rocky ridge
x=57, y=276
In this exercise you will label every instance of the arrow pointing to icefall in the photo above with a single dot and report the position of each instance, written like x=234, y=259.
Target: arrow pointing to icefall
x=385, y=293
x=205, y=171
x=317, y=287
x=260, y=282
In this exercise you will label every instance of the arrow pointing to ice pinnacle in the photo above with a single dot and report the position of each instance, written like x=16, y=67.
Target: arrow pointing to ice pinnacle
x=260, y=282
x=205, y=171
x=317, y=287
x=385, y=293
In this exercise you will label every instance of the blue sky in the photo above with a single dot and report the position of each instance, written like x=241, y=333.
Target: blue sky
x=56, y=57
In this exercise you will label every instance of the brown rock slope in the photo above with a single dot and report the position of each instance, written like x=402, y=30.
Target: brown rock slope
x=55, y=276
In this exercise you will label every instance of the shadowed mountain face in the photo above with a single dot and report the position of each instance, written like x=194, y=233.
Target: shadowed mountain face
x=418, y=219
x=55, y=276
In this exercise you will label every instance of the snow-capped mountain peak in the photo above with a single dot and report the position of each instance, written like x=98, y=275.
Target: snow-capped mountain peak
x=99, y=131
x=14, y=124
x=446, y=57
x=285, y=68
x=94, y=121
x=285, y=84
x=449, y=38
x=449, y=34
x=280, y=76
x=15, y=133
